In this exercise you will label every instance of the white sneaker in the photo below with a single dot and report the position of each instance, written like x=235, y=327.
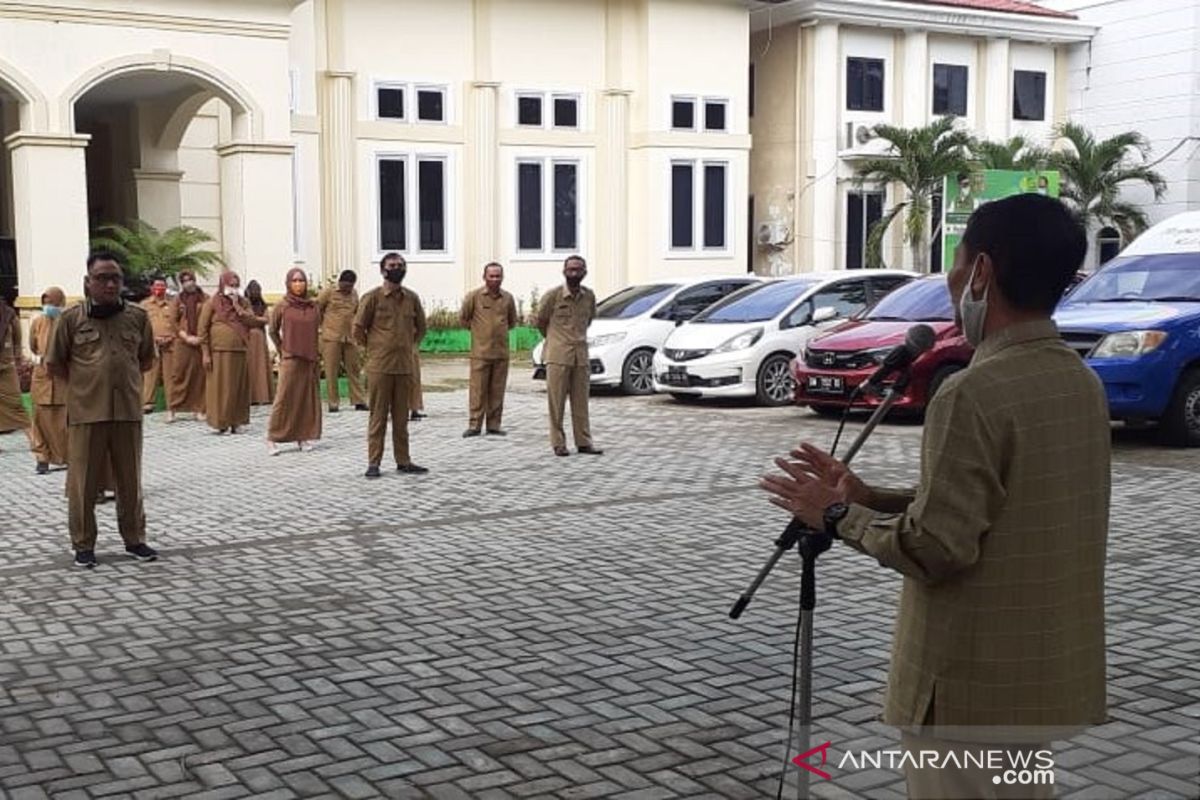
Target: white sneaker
x=272, y=449
x=307, y=447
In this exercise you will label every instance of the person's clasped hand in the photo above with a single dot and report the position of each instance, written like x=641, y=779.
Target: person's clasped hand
x=811, y=483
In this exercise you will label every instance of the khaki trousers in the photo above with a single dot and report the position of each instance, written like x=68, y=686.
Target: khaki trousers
x=49, y=434
x=160, y=374
x=416, y=398
x=970, y=782
x=388, y=395
x=489, y=379
x=89, y=448
x=573, y=381
x=338, y=356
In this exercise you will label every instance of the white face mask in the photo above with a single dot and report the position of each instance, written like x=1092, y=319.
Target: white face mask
x=973, y=312
x=233, y=291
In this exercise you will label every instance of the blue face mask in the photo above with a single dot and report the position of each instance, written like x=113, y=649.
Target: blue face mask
x=51, y=311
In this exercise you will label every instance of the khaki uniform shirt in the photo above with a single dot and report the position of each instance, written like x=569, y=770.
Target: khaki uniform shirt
x=44, y=388
x=565, y=318
x=1001, y=618
x=337, y=314
x=391, y=324
x=103, y=359
x=164, y=319
x=490, y=319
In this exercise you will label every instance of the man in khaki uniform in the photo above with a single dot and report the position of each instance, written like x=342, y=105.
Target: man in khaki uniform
x=48, y=393
x=390, y=324
x=1000, y=632
x=338, y=306
x=563, y=318
x=101, y=347
x=490, y=313
x=164, y=319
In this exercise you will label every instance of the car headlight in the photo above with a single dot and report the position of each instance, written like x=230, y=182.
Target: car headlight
x=1128, y=344
x=740, y=342
x=608, y=338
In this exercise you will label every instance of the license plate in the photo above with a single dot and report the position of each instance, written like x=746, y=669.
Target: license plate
x=825, y=384
x=676, y=376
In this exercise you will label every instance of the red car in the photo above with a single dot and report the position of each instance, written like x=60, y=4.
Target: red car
x=833, y=364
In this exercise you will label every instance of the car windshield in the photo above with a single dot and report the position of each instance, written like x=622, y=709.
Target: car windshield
x=1166, y=277
x=919, y=301
x=758, y=302
x=633, y=301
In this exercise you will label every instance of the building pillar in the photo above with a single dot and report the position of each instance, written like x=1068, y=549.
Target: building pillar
x=822, y=252
x=158, y=196
x=612, y=192
x=915, y=105
x=50, y=211
x=480, y=209
x=996, y=88
x=256, y=211
x=339, y=218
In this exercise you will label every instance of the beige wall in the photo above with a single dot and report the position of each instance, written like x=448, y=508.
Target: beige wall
x=775, y=156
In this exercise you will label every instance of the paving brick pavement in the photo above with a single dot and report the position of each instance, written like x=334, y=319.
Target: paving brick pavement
x=513, y=624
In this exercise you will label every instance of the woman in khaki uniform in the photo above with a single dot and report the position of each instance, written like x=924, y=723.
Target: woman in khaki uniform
x=295, y=322
x=258, y=357
x=225, y=323
x=49, y=394
x=187, y=392
x=12, y=411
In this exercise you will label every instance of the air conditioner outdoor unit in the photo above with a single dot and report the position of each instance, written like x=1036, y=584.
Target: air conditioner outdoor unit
x=772, y=234
x=858, y=134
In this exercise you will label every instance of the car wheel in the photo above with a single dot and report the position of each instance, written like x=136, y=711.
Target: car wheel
x=826, y=411
x=775, y=386
x=1180, y=426
x=938, y=379
x=637, y=376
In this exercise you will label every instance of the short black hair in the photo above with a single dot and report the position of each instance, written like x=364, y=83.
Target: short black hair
x=491, y=264
x=102, y=255
x=347, y=276
x=387, y=256
x=575, y=257
x=1036, y=245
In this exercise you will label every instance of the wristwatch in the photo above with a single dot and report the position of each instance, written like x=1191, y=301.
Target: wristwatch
x=834, y=514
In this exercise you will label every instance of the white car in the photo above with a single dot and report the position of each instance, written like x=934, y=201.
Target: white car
x=743, y=345
x=631, y=325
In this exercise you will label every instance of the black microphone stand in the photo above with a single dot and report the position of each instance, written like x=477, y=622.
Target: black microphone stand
x=811, y=543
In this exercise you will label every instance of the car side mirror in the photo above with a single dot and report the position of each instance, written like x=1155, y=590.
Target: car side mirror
x=823, y=314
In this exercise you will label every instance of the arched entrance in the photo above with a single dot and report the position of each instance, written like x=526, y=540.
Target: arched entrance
x=21, y=108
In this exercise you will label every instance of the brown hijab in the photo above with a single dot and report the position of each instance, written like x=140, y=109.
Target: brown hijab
x=190, y=302
x=299, y=319
x=224, y=308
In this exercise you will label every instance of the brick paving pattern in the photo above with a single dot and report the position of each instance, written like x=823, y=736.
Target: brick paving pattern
x=513, y=624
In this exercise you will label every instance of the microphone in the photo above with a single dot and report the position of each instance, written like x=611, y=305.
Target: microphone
x=918, y=339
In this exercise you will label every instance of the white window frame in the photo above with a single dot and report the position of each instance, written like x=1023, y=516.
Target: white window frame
x=441, y=89
x=698, y=248
x=702, y=119
x=547, y=163
x=696, y=109
x=410, y=89
x=412, y=205
x=408, y=98
x=549, y=119
x=541, y=98
x=547, y=98
x=294, y=89
x=863, y=191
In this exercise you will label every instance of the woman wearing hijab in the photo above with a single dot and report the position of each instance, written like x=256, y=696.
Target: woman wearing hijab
x=48, y=392
x=12, y=411
x=296, y=416
x=225, y=323
x=186, y=390
x=258, y=357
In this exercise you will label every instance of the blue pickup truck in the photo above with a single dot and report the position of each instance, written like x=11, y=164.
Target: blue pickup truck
x=1136, y=321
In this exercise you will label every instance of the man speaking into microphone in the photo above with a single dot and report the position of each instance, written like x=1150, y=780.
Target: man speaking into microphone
x=1000, y=631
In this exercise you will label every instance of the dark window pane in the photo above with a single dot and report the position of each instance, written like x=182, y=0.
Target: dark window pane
x=714, y=205
x=950, y=89
x=431, y=191
x=393, y=210
x=681, y=205
x=529, y=206
x=565, y=203
x=845, y=298
x=683, y=114
x=1029, y=95
x=714, y=116
x=431, y=105
x=391, y=103
x=752, y=90
x=854, y=230
x=935, y=250
x=864, y=84
x=566, y=112
x=529, y=111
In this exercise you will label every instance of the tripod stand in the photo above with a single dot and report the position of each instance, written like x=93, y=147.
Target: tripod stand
x=810, y=544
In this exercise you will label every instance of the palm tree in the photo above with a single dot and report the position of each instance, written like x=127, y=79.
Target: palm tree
x=919, y=159
x=145, y=252
x=1018, y=153
x=1094, y=172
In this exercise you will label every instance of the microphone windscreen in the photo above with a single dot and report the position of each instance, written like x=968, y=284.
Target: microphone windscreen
x=919, y=338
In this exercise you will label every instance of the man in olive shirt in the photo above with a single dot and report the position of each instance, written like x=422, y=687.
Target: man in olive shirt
x=563, y=318
x=490, y=313
x=1000, y=631
x=338, y=307
x=390, y=325
x=101, y=347
x=165, y=323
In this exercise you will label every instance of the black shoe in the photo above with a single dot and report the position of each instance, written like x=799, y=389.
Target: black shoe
x=416, y=415
x=85, y=559
x=590, y=451
x=43, y=468
x=372, y=471
x=497, y=432
x=333, y=409
x=561, y=451
x=361, y=407
x=411, y=469
x=142, y=552
x=469, y=432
